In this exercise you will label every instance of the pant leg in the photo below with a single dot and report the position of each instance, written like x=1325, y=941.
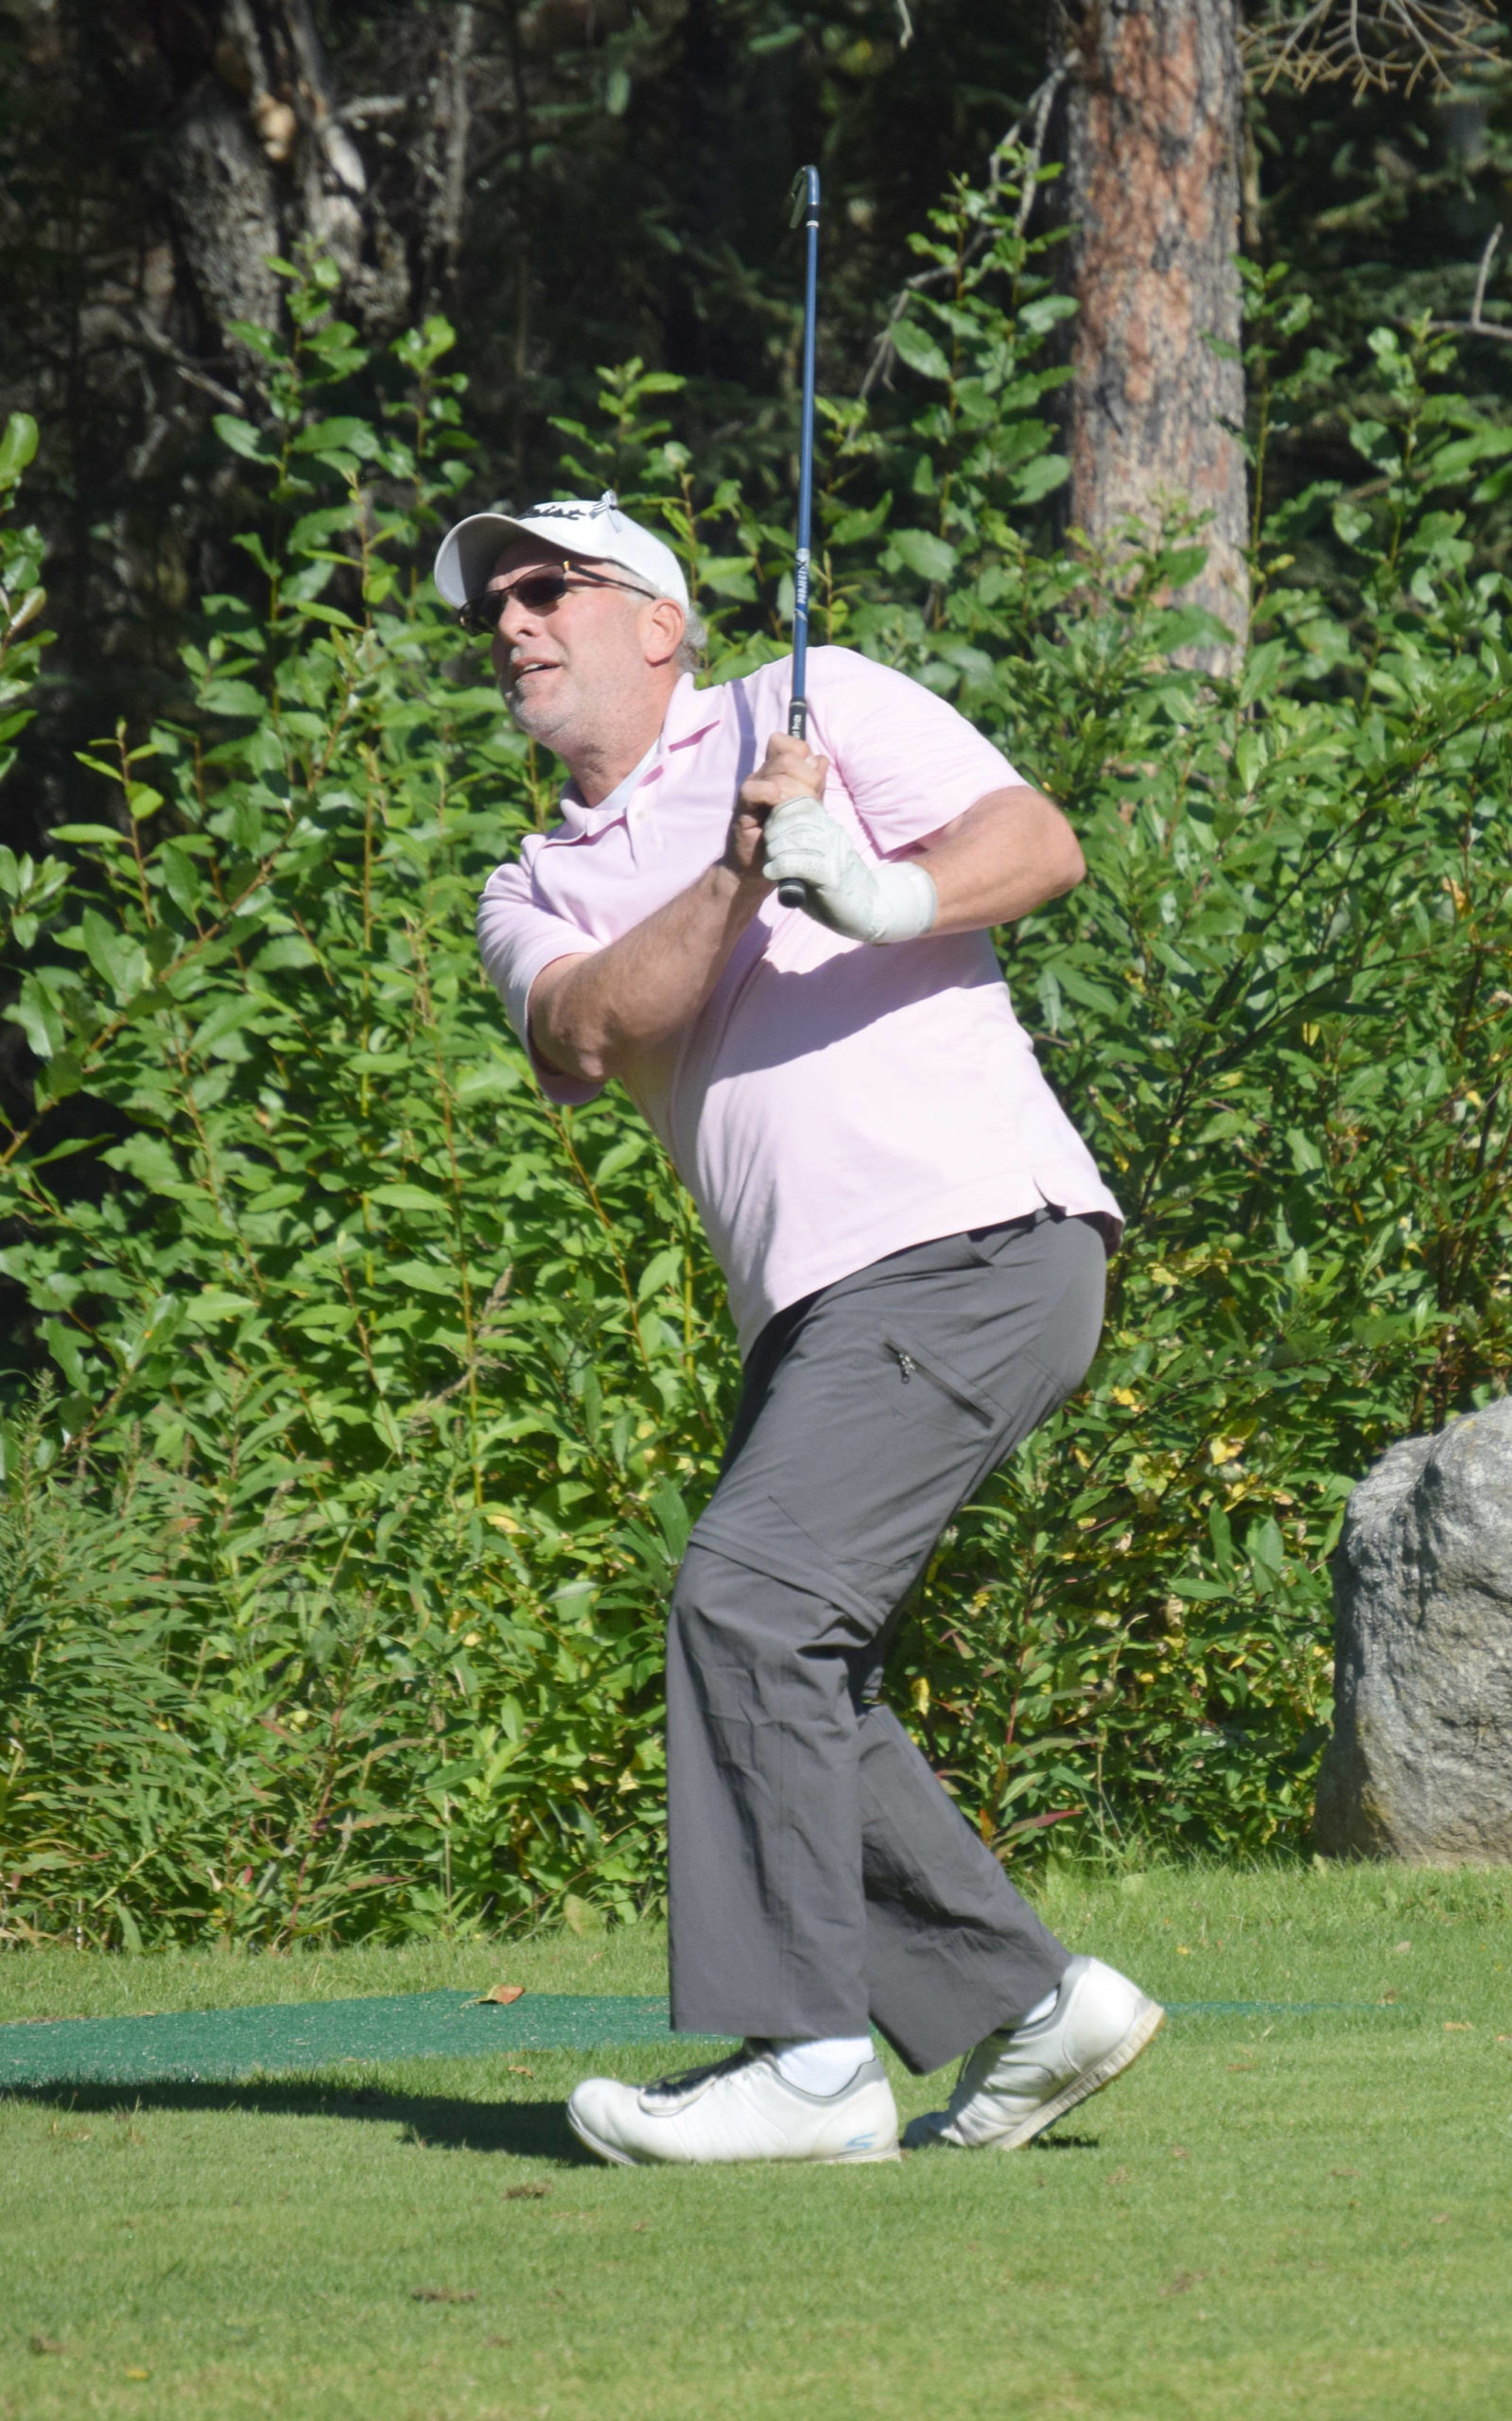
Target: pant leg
x=766, y=1902
x=953, y=1951
x=819, y=1874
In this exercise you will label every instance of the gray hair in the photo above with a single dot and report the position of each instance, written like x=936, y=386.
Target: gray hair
x=691, y=646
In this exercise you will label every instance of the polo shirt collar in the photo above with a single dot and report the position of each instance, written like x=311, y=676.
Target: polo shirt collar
x=579, y=817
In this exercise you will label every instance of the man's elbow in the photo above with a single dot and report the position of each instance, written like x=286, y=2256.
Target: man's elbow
x=566, y=1054
x=1070, y=867
x=1058, y=851
x=563, y=1036
x=1061, y=864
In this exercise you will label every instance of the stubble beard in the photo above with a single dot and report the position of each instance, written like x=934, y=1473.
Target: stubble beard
x=574, y=718
x=585, y=706
x=538, y=723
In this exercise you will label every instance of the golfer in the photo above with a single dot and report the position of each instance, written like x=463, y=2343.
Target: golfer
x=913, y=1239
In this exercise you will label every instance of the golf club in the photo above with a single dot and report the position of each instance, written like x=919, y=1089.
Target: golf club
x=804, y=206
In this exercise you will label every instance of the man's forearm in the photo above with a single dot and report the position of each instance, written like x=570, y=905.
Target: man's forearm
x=1007, y=856
x=591, y=1016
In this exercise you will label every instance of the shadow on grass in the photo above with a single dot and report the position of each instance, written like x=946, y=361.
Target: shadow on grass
x=521, y=2130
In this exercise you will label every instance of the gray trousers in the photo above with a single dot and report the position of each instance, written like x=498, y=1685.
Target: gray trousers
x=821, y=1879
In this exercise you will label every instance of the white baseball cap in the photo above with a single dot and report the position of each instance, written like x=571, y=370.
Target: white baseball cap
x=599, y=532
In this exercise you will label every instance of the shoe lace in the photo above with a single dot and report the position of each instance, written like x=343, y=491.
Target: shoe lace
x=978, y=2067
x=684, y=2078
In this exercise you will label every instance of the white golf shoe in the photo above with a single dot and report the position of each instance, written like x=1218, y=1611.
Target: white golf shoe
x=1016, y=2083
x=741, y=2109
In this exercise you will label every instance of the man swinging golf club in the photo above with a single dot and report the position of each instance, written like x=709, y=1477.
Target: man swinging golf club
x=913, y=1239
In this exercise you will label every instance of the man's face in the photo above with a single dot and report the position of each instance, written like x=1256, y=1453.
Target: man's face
x=568, y=666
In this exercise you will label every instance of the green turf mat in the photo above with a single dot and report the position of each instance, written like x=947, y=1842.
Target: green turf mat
x=220, y=2043
x=276, y=2039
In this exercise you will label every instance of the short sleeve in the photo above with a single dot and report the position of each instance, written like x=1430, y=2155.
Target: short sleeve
x=518, y=937
x=910, y=761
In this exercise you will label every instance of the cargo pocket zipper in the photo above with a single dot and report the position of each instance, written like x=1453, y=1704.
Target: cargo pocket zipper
x=909, y=1362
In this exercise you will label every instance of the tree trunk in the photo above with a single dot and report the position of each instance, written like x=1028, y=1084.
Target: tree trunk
x=263, y=160
x=1153, y=116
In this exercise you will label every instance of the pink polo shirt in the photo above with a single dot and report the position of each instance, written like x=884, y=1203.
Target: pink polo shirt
x=833, y=1102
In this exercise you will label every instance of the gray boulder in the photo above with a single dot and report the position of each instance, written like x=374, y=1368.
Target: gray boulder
x=1420, y=1763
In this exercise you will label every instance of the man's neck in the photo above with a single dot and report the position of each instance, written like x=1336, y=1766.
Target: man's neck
x=597, y=766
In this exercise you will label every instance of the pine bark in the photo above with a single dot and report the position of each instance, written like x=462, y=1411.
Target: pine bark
x=264, y=161
x=1152, y=193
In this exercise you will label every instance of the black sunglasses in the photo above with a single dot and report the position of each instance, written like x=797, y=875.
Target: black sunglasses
x=539, y=593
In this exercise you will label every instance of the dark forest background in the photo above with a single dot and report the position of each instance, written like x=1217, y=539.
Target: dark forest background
x=577, y=183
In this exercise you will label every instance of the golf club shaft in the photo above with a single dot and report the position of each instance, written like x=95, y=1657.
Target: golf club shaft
x=805, y=204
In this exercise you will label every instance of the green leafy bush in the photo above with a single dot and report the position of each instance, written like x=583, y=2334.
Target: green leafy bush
x=377, y=1395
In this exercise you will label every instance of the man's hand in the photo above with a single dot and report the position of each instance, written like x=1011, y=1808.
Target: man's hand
x=791, y=771
x=595, y=1013
x=868, y=901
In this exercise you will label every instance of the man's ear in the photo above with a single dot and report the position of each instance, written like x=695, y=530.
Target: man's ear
x=662, y=630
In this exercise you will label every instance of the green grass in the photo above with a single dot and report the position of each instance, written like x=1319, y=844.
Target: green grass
x=1296, y=2214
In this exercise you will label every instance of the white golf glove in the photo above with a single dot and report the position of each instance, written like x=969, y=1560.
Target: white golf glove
x=882, y=902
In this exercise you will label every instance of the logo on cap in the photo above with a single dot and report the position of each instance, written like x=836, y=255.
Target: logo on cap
x=573, y=510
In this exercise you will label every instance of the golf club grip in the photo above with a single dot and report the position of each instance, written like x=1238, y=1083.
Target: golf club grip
x=793, y=892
